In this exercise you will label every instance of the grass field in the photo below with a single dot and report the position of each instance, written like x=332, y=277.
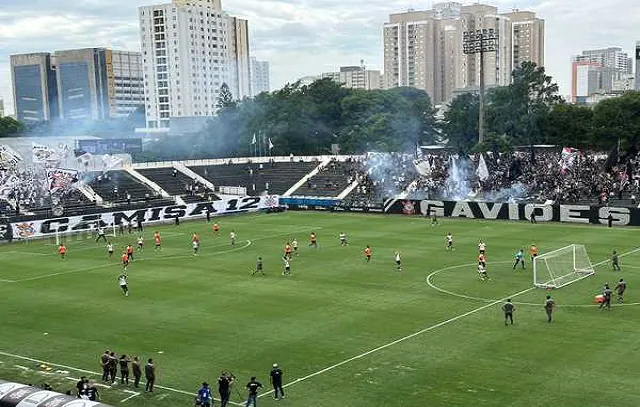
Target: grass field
x=346, y=333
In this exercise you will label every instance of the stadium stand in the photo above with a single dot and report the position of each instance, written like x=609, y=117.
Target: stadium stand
x=331, y=180
x=176, y=183
x=114, y=186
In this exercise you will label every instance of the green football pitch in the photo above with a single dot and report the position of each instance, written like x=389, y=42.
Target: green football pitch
x=345, y=332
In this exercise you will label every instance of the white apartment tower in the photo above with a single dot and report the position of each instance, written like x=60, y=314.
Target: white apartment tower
x=423, y=49
x=260, y=77
x=189, y=49
x=356, y=77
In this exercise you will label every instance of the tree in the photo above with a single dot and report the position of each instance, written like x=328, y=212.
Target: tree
x=617, y=119
x=460, y=124
x=10, y=127
x=225, y=98
x=569, y=125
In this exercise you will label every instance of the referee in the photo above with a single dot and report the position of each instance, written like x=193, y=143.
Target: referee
x=276, y=381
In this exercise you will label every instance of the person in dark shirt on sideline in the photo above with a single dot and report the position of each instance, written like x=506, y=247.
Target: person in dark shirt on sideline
x=508, y=309
x=150, y=375
x=253, y=386
x=276, y=381
x=137, y=372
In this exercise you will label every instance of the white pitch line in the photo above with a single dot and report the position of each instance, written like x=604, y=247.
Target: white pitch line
x=133, y=394
x=404, y=338
x=13, y=355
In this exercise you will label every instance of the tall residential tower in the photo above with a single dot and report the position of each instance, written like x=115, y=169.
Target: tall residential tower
x=189, y=49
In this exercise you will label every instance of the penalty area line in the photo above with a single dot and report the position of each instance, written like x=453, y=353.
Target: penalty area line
x=404, y=338
x=76, y=369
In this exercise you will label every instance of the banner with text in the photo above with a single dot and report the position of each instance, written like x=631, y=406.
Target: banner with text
x=48, y=227
x=586, y=214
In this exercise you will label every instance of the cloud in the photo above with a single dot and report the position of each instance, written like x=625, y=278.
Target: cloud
x=303, y=37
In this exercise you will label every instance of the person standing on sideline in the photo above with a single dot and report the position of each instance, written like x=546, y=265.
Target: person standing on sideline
x=224, y=388
x=124, y=369
x=104, y=362
x=621, y=287
x=615, y=261
x=150, y=375
x=137, y=371
x=252, y=387
x=549, y=305
x=204, y=397
x=275, y=377
x=508, y=309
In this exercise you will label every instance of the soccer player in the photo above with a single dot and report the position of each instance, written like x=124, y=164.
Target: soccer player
x=482, y=247
x=130, y=252
x=482, y=272
x=216, y=228
x=204, y=397
x=396, y=257
x=113, y=367
x=140, y=243
x=104, y=363
x=367, y=253
x=533, y=252
x=449, y=239
x=110, y=249
x=224, y=388
x=606, y=293
x=343, y=239
x=137, y=371
x=252, y=387
x=125, y=261
x=259, y=267
x=549, y=306
x=313, y=240
x=621, y=287
x=294, y=245
x=233, y=237
x=62, y=251
x=275, y=377
x=508, y=309
x=519, y=259
x=195, y=243
x=124, y=369
x=122, y=281
x=150, y=375
x=482, y=260
x=101, y=234
x=287, y=250
x=158, y=240
x=434, y=219
x=287, y=267
x=615, y=261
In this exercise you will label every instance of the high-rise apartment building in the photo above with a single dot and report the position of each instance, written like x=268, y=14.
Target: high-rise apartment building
x=356, y=77
x=79, y=84
x=260, y=77
x=189, y=49
x=1, y=107
x=596, y=71
x=424, y=49
x=35, y=90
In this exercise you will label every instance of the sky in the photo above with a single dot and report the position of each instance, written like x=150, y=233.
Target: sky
x=303, y=37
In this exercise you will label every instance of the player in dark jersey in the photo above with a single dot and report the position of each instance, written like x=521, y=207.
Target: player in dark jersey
x=224, y=388
x=204, y=397
x=607, y=294
x=259, y=267
x=508, y=309
x=549, y=306
x=137, y=371
x=150, y=375
x=275, y=377
x=252, y=387
x=113, y=367
x=104, y=363
x=124, y=369
x=615, y=261
x=621, y=287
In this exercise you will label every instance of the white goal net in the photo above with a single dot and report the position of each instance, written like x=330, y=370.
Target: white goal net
x=560, y=267
x=87, y=232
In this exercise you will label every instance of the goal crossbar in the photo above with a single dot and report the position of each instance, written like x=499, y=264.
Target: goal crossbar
x=561, y=267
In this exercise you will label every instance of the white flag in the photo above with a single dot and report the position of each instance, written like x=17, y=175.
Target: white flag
x=270, y=144
x=482, y=171
x=423, y=167
x=254, y=141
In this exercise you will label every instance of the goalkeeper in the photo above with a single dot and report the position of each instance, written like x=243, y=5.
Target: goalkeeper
x=519, y=259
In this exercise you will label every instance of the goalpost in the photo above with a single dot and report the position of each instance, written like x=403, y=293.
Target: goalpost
x=562, y=267
x=90, y=233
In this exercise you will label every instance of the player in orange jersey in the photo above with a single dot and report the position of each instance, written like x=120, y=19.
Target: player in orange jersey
x=313, y=240
x=482, y=260
x=62, y=251
x=195, y=243
x=367, y=253
x=533, y=251
x=216, y=228
x=125, y=260
x=158, y=240
x=287, y=251
x=130, y=252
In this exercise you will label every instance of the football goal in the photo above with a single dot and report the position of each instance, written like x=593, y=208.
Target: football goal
x=88, y=231
x=560, y=267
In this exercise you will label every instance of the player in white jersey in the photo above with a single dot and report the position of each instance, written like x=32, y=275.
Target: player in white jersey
x=140, y=243
x=396, y=257
x=482, y=247
x=122, y=281
x=101, y=234
x=343, y=239
x=110, y=249
x=287, y=267
x=294, y=246
x=195, y=244
x=449, y=241
x=482, y=272
x=232, y=237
